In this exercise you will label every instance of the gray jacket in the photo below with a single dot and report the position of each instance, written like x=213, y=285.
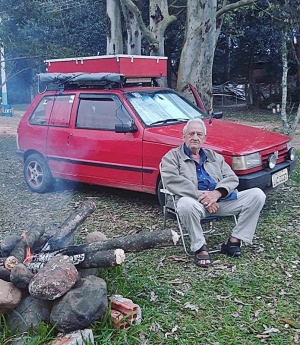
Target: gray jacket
x=179, y=173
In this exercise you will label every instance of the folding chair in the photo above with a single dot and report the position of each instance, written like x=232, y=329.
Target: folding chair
x=173, y=211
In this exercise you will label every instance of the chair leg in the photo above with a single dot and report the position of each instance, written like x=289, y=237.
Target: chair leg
x=165, y=216
x=182, y=235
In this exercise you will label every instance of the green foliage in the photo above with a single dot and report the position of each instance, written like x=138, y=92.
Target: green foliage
x=248, y=37
x=31, y=34
x=39, y=337
x=34, y=30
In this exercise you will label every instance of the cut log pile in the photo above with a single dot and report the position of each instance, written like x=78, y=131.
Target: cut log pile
x=45, y=277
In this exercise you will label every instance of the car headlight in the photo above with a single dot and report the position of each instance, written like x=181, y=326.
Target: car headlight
x=272, y=161
x=246, y=162
x=292, y=154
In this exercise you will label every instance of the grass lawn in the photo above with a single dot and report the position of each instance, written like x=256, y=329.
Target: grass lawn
x=251, y=300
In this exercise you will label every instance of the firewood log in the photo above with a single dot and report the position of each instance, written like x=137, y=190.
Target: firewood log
x=103, y=258
x=107, y=253
x=29, y=238
x=131, y=243
x=63, y=236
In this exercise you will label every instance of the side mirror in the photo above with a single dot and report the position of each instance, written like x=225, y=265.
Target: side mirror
x=125, y=128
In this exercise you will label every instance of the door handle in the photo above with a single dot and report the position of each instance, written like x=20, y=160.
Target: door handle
x=68, y=138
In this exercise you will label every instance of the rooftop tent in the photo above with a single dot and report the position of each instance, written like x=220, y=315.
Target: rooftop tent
x=64, y=81
x=62, y=78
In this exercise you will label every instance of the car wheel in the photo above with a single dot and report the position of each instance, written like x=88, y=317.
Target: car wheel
x=160, y=195
x=37, y=174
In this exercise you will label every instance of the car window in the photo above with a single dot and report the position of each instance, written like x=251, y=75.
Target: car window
x=53, y=110
x=154, y=107
x=61, y=111
x=101, y=113
x=40, y=116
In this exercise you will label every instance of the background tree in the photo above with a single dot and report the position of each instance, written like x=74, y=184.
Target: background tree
x=195, y=35
x=152, y=31
x=286, y=14
x=248, y=51
x=201, y=35
x=114, y=27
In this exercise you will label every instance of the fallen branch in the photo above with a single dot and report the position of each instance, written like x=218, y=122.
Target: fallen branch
x=63, y=236
x=131, y=243
x=102, y=259
x=29, y=238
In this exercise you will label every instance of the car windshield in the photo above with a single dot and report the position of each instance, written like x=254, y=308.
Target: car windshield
x=156, y=108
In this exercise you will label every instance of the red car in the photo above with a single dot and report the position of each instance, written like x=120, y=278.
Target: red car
x=110, y=130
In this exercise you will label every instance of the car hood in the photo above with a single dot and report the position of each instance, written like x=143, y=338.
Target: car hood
x=236, y=138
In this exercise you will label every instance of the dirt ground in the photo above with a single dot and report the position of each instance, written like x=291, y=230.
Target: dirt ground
x=9, y=125
x=272, y=126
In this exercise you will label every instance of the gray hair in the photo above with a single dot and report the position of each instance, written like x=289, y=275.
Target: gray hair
x=194, y=120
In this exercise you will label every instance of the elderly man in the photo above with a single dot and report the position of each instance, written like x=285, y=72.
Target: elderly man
x=204, y=185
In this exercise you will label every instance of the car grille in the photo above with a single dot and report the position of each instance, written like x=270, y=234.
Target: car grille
x=282, y=154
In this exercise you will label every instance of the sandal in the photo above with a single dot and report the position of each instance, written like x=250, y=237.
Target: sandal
x=232, y=249
x=199, y=257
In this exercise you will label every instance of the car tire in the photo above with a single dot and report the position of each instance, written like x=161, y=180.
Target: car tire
x=160, y=195
x=37, y=174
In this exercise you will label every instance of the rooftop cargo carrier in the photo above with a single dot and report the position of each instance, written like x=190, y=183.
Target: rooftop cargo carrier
x=67, y=81
x=128, y=65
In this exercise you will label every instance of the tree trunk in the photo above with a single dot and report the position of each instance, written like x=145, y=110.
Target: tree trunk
x=197, y=55
x=159, y=21
x=295, y=123
x=202, y=31
x=146, y=33
x=285, y=124
x=114, y=43
x=134, y=37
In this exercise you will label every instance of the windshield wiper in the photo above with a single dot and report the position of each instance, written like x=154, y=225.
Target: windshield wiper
x=168, y=120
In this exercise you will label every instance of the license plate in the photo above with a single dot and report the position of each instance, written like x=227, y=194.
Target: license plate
x=279, y=177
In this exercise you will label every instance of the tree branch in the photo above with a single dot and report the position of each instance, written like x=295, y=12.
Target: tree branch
x=146, y=32
x=231, y=7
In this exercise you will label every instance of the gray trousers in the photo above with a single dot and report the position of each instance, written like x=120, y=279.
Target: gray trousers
x=247, y=208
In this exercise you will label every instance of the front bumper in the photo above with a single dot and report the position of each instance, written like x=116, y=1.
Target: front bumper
x=263, y=179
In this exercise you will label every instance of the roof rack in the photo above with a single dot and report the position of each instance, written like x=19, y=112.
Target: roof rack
x=63, y=81
x=73, y=81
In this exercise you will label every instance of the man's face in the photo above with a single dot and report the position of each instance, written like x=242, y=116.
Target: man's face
x=194, y=137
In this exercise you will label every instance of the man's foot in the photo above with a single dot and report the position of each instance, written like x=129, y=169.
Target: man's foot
x=202, y=257
x=232, y=247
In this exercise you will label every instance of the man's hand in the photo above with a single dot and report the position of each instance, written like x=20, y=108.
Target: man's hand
x=209, y=200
